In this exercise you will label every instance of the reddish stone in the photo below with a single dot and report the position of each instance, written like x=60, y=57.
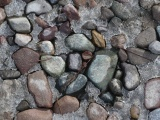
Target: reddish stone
x=66, y=104
x=4, y=2
x=65, y=28
x=35, y=114
x=80, y=2
x=48, y=33
x=25, y=59
x=39, y=87
x=41, y=22
x=2, y=15
x=87, y=55
x=71, y=12
x=2, y=40
x=92, y=3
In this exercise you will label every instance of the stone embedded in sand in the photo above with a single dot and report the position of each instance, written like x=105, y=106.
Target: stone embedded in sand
x=22, y=39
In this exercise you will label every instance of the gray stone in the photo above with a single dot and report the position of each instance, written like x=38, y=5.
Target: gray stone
x=22, y=39
x=118, y=74
x=122, y=55
x=154, y=47
x=2, y=15
x=53, y=1
x=102, y=68
x=9, y=74
x=38, y=7
x=106, y=13
x=79, y=42
x=115, y=86
x=121, y=10
x=131, y=76
x=118, y=105
x=20, y=24
x=146, y=37
x=89, y=25
x=23, y=105
x=156, y=12
x=146, y=4
x=53, y=65
x=74, y=61
x=154, y=115
x=138, y=56
x=77, y=84
x=107, y=97
x=152, y=95
x=158, y=30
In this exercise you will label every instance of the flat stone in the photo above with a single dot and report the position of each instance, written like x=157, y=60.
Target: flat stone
x=38, y=7
x=71, y=12
x=106, y=13
x=156, y=12
x=23, y=105
x=131, y=76
x=89, y=25
x=9, y=74
x=2, y=15
x=98, y=39
x=65, y=28
x=152, y=95
x=66, y=104
x=22, y=39
x=38, y=86
x=138, y=56
x=25, y=59
x=134, y=112
x=96, y=112
x=79, y=42
x=102, y=68
x=48, y=33
x=154, y=47
x=115, y=86
x=20, y=24
x=35, y=114
x=4, y=2
x=77, y=84
x=146, y=37
x=121, y=10
x=74, y=61
x=53, y=65
x=46, y=47
x=154, y=115
x=146, y=4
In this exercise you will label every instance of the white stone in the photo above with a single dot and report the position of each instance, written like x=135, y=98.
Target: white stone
x=46, y=47
x=22, y=39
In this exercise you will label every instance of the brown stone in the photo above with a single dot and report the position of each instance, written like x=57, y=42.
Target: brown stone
x=66, y=104
x=41, y=22
x=87, y=55
x=48, y=33
x=71, y=12
x=135, y=112
x=25, y=59
x=80, y=2
x=98, y=39
x=122, y=55
x=35, y=114
x=152, y=94
x=65, y=28
x=96, y=112
x=92, y=3
x=2, y=15
x=4, y=2
x=39, y=87
x=118, y=41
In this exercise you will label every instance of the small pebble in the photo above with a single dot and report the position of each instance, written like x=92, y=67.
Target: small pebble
x=22, y=39
x=53, y=1
x=10, y=40
x=9, y=74
x=147, y=4
x=118, y=105
x=112, y=117
x=134, y=112
x=154, y=47
x=107, y=97
x=23, y=105
x=2, y=15
x=118, y=74
x=89, y=25
x=41, y=22
x=65, y=28
x=87, y=55
x=122, y=55
x=80, y=2
x=61, y=17
x=106, y=13
x=115, y=86
x=156, y=12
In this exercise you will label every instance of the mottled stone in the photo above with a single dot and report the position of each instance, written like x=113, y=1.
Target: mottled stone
x=46, y=47
x=65, y=28
x=146, y=37
x=23, y=105
x=10, y=40
x=138, y=56
x=115, y=86
x=154, y=115
x=106, y=13
x=154, y=47
x=20, y=24
x=38, y=7
x=71, y=12
x=107, y=97
x=118, y=41
x=66, y=104
x=152, y=95
x=92, y=3
x=98, y=39
x=48, y=33
x=25, y=59
x=118, y=74
x=4, y=2
x=9, y=74
x=79, y=42
x=89, y=25
x=2, y=15
x=131, y=76
x=96, y=112
x=22, y=39
x=146, y=4
x=134, y=112
x=41, y=22
x=35, y=114
x=122, y=55
x=121, y=10
x=53, y=65
x=102, y=68
x=156, y=12
x=39, y=87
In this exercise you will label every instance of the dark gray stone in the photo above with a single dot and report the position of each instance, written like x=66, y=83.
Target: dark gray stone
x=53, y=1
x=23, y=105
x=9, y=74
x=107, y=97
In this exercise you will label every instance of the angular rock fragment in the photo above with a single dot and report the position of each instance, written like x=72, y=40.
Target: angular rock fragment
x=23, y=105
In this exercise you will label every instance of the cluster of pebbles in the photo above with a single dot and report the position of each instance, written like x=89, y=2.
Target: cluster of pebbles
x=79, y=59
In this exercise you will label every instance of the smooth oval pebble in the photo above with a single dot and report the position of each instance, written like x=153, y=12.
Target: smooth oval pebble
x=135, y=112
x=9, y=74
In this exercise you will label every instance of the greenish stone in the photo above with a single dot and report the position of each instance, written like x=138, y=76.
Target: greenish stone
x=102, y=68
